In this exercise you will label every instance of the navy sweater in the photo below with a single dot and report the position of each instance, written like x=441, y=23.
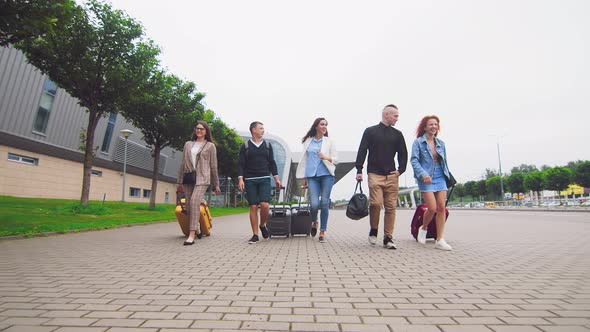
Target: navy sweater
x=259, y=162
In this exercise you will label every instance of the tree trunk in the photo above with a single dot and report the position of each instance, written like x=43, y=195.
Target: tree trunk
x=93, y=117
x=155, y=172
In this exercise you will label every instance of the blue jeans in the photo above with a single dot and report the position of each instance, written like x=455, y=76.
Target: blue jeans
x=320, y=188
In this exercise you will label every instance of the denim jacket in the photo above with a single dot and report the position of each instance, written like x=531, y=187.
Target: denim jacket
x=422, y=160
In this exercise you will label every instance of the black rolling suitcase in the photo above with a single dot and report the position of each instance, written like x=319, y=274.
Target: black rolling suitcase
x=300, y=219
x=279, y=220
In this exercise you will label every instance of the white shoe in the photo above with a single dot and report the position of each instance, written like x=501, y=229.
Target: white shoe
x=372, y=240
x=421, y=235
x=442, y=245
x=389, y=244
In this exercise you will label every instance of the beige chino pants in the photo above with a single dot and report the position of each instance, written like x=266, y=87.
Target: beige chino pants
x=383, y=191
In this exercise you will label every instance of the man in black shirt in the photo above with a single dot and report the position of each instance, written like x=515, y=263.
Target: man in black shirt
x=256, y=162
x=383, y=142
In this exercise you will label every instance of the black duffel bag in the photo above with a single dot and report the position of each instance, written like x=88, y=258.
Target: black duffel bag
x=358, y=205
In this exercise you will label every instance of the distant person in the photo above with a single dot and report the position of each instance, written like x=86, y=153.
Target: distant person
x=256, y=163
x=199, y=156
x=317, y=167
x=429, y=161
x=383, y=142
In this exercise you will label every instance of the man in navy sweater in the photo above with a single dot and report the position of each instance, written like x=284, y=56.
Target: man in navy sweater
x=383, y=142
x=256, y=163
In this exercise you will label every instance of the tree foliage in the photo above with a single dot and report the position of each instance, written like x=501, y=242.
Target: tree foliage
x=534, y=181
x=557, y=178
x=516, y=182
x=99, y=57
x=165, y=109
x=26, y=19
x=482, y=189
x=493, y=186
x=490, y=173
x=523, y=168
x=459, y=191
x=471, y=188
x=582, y=174
x=228, y=147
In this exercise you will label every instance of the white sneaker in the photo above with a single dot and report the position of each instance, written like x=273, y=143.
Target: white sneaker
x=421, y=235
x=389, y=244
x=442, y=245
x=372, y=240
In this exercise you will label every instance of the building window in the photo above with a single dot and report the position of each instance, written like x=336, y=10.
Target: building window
x=134, y=192
x=45, y=105
x=96, y=173
x=108, y=135
x=147, y=193
x=23, y=159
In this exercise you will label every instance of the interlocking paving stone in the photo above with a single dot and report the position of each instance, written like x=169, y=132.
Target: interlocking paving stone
x=81, y=329
x=139, y=278
x=30, y=328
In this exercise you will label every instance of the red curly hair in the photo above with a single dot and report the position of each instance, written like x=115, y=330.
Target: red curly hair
x=420, y=130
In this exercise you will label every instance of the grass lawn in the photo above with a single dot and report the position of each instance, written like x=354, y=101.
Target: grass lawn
x=30, y=216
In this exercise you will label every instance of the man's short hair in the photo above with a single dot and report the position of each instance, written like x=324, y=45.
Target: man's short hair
x=390, y=105
x=254, y=124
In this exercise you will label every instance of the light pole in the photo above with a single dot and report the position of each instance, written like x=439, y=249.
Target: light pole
x=500, y=169
x=499, y=164
x=126, y=133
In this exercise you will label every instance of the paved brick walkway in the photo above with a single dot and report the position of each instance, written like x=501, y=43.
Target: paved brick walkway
x=510, y=271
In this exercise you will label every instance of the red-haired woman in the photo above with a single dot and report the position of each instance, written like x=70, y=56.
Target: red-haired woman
x=199, y=157
x=429, y=161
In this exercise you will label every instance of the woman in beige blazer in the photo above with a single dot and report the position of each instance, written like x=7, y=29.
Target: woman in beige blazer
x=200, y=156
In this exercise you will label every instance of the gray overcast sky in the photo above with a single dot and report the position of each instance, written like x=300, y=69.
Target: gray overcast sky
x=513, y=71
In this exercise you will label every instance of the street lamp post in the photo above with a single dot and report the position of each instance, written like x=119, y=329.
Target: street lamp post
x=126, y=133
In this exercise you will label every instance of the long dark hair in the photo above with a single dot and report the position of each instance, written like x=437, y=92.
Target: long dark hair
x=312, y=131
x=207, y=131
x=420, y=130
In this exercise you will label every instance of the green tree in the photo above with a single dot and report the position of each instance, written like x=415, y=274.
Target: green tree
x=558, y=179
x=534, y=181
x=98, y=57
x=523, y=168
x=490, y=173
x=460, y=191
x=573, y=165
x=493, y=187
x=482, y=189
x=165, y=110
x=228, y=144
x=516, y=182
x=25, y=19
x=582, y=174
x=471, y=189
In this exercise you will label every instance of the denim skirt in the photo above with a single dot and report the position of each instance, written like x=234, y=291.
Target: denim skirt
x=439, y=182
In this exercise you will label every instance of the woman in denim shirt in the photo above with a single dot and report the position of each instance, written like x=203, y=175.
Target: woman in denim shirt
x=429, y=161
x=317, y=167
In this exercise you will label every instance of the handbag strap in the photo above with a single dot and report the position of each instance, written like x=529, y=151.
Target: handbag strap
x=358, y=186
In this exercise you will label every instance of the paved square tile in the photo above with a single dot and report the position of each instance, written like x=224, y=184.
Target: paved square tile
x=500, y=277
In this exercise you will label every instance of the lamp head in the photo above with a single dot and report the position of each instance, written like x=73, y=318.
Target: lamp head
x=126, y=133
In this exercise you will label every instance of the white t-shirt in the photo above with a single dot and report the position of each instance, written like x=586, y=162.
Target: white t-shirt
x=194, y=151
